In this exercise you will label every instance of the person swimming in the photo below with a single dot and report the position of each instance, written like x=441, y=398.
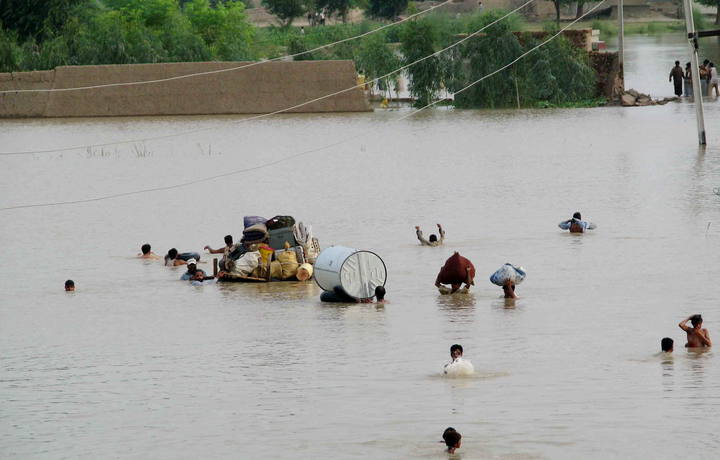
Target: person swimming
x=433, y=240
x=696, y=335
x=452, y=439
x=666, y=345
x=576, y=224
x=146, y=252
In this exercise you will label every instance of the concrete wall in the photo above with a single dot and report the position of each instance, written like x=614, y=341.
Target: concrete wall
x=610, y=79
x=259, y=89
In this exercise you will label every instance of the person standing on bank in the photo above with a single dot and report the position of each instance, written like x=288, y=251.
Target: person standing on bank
x=676, y=76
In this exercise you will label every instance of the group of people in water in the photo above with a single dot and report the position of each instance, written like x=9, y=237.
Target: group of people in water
x=697, y=336
x=682, y=79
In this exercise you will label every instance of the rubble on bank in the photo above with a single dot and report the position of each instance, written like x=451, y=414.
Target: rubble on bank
x=634, y=98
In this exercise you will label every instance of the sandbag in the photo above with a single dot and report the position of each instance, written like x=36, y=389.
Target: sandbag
x=459, y=368
x=304, y=272
x=455, y=270
x=249, y=221
x=280, y=222
x=289, y=262
x=508, y=273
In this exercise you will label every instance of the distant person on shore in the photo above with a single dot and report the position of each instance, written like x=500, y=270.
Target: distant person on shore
x=666, y=345
x=69, y=286
x=146, y=252
x=713, y=81
x=452, y=439
x=174, y=259
x=703, y=71
x=676, y=76
x=576, y=224
x=192, y=271
x=432, y=240
x=687, y=81
x=696, y=336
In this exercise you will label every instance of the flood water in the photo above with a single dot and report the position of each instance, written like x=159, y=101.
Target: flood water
x=136, y=364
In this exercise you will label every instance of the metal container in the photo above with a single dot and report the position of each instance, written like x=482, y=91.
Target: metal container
x=357, y=272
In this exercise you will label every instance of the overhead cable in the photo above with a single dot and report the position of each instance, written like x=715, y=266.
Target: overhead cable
x=266, y=115
x=230, y=69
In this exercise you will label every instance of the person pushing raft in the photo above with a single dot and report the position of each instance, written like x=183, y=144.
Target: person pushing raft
x=456, y=271
x=576, y=224
x=433, y=240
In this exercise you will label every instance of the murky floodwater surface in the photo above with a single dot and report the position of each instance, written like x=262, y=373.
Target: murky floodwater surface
x=136, y=364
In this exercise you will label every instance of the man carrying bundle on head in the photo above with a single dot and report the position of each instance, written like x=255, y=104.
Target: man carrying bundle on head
x=433, y=241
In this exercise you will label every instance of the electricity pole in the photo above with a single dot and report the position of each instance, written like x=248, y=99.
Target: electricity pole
x=697, y=92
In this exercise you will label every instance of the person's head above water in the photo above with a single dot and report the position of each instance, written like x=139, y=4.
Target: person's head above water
x=452, y=439
x=228, y=240
x=379, y=293
x=172, y=253
x=69, y=285
x=191, y=266
x=666, y=344
x=456, y=351
x=577, y=216
x=696, y=321
x=432, y=238
x=145, y=248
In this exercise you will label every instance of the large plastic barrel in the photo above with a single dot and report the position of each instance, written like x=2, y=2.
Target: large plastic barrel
x=357, y=272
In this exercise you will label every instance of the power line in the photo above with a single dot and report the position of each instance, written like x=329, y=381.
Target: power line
x=306, y=152
x=265, y=115
x=231, y=69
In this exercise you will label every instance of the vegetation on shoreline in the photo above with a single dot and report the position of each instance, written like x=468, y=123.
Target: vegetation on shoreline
x=140, y=31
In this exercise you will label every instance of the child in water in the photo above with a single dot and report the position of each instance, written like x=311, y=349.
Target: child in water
x=452, y=439
x=457, y=365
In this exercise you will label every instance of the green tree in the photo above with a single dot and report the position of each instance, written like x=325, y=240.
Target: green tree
x=417, y=40
x=225, y=28
x=558, y=5
x=375, y=59
x=285, y=10
x=154, y=13
x=386, y=9
x=716, y=4
x=36, y=18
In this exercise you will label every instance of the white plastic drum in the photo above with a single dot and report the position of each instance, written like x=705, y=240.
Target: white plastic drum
x=358, y=272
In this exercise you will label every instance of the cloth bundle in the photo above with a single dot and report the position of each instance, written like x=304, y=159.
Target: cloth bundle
x=508, y=273
x=455, y=270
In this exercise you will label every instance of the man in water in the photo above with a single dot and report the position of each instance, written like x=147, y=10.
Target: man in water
x=380, y=294
x=452, y=439
x=192, y=270
x=666, y=345
x=576, y=224
x=433, y=240
x=70, y=286
x=225, y=250
x=676, y=76
x=696, y=335
x=509, y=290
x=456, y=352
x=147, y=252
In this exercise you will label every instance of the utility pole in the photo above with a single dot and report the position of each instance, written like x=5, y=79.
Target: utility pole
x=621, y=35
x=694, y=63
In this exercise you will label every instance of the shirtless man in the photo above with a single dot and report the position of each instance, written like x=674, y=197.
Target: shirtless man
x=147, y=252
x=433, y=239
x=696, y=335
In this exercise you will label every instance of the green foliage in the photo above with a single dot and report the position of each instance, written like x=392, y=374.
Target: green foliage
x=699, y=18
x=375, y=59
x=418, y=40
x=35, y=19
x=10, y=51
x=225, y=28
x=386, y=9
x=153, y=13
x=285, y=10
x=715, y=3
x=341, y=7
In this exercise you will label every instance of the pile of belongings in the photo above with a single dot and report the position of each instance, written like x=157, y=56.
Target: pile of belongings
x=276, y=248
x=508, y=274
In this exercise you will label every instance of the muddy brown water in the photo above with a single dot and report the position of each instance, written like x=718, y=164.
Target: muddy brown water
x=136, y=364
